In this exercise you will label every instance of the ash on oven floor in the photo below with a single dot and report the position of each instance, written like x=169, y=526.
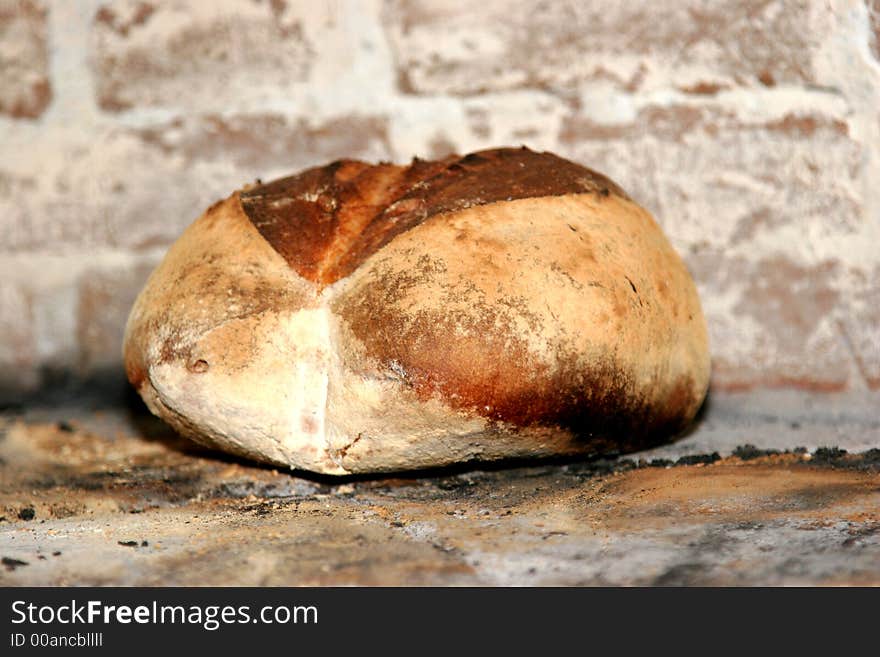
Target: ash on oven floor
x=768, y=489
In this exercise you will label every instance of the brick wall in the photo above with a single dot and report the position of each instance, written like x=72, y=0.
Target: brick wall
x=751, y=129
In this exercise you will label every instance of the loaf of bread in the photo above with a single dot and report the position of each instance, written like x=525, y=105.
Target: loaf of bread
x=364, y=317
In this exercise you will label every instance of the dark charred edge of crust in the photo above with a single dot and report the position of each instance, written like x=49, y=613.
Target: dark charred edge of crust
x=325, y=221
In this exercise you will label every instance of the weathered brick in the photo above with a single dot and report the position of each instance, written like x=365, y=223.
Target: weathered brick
x=53, y=287
x=761, y=210
x=113, y=190
x=192, y=54
x=140, y=187
x=24, y=58
x=772, y=322
x=469, y=47
x=261, y=143
x=18, y=361
x=475, y=123
x=104, y=302
x=860, y=324
x=874, y=21
x=718, y=179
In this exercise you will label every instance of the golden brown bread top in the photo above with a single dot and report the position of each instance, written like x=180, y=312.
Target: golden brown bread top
x=326, y=221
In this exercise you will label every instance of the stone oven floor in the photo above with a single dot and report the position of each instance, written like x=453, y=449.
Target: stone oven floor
x=770, y=488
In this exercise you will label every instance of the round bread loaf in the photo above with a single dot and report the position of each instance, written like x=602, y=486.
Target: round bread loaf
x=371, y=317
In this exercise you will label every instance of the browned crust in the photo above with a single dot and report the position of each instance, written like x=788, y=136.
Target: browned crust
x=327, y=220
x=487, y=369
x=219, y=270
